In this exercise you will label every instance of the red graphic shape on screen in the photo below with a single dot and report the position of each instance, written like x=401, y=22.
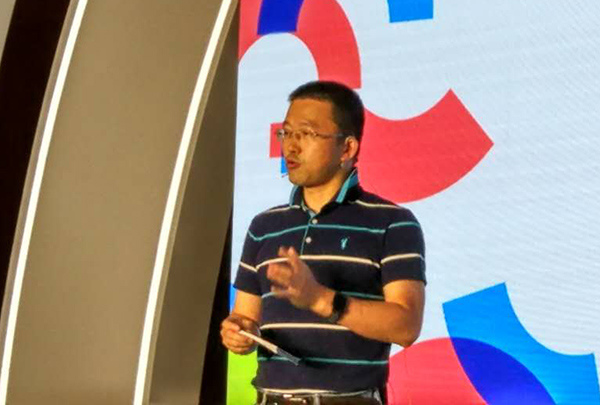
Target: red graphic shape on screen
x=328, y=35
x=248, y=35
x=407, y=160
x=274, y=146
x=324, y=29
x=429, y=372
x=403, y=160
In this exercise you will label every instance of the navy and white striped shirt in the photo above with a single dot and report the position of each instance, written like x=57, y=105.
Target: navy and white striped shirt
x=357, y=243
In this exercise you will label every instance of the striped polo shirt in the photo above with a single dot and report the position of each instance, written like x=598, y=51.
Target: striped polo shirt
x=357, y=243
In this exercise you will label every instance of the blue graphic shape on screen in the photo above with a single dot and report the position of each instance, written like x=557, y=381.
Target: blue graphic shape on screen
x=278, y=16
x=283, y=167
x=410, y=10
x=498, y=377
x=232, y=291
x=488, y=316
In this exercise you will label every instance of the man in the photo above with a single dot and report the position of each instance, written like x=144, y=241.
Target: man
x=334, y=276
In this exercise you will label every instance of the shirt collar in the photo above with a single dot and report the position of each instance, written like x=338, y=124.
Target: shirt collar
x=346, y=192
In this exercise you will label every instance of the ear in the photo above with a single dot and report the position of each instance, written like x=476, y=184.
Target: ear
x=351, y=146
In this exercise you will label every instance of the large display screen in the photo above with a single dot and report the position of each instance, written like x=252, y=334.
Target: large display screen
x=483, y=119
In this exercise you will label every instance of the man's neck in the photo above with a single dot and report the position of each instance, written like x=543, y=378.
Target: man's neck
x=316, y=197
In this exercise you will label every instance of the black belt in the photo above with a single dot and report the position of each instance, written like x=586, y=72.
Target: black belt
x=361, y=398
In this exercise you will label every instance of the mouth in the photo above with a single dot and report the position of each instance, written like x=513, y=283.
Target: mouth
x=292, y=164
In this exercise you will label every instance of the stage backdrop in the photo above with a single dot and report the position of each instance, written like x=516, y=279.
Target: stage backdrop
x=482, y=118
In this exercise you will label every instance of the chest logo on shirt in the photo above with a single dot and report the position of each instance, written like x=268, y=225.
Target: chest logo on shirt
x=344, y=242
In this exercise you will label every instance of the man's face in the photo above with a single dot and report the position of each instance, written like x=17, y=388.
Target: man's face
x=312, y=162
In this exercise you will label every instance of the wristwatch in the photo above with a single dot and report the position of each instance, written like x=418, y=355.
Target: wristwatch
x=340, y=302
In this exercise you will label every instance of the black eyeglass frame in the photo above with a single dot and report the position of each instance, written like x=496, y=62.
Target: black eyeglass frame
x=305, y=133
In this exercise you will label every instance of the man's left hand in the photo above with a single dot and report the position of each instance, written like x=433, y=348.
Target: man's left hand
x=293, y=279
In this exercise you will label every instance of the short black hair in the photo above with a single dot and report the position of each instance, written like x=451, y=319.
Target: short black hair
x=348, y=109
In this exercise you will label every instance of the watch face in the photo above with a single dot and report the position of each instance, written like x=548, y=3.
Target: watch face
x=339, y=307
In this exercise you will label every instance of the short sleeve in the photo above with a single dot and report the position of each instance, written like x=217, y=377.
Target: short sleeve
x=247, y=274
x=403, y=256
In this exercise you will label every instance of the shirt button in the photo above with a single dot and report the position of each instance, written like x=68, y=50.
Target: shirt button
x=314, y=221
x=308, y=239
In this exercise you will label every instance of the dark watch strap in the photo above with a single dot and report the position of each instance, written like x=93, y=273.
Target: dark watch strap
x=340, y=302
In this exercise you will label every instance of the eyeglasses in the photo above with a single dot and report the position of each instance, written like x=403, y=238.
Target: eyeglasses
x=303, y=135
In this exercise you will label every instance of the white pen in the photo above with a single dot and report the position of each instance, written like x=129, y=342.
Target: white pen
x=271, y=347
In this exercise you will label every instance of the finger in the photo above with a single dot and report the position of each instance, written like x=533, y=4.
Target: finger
x=236, y=322
x=229, y=341
x=279, y=274
x=293, y=257
x=280, y=292
x=281, y=261
x=248, y=324
x=282, y=251
x=237, y=347
x=232, y=343
x=229, y=335
x=229, y=324
x=237, y=339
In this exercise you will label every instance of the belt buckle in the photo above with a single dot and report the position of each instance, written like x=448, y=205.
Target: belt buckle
x=292, y=398
x=296, y=399
x=287, y=398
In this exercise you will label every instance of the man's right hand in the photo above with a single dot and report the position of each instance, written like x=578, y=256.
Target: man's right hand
x=232, y=340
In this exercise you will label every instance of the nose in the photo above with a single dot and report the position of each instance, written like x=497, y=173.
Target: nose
x=291, y=145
